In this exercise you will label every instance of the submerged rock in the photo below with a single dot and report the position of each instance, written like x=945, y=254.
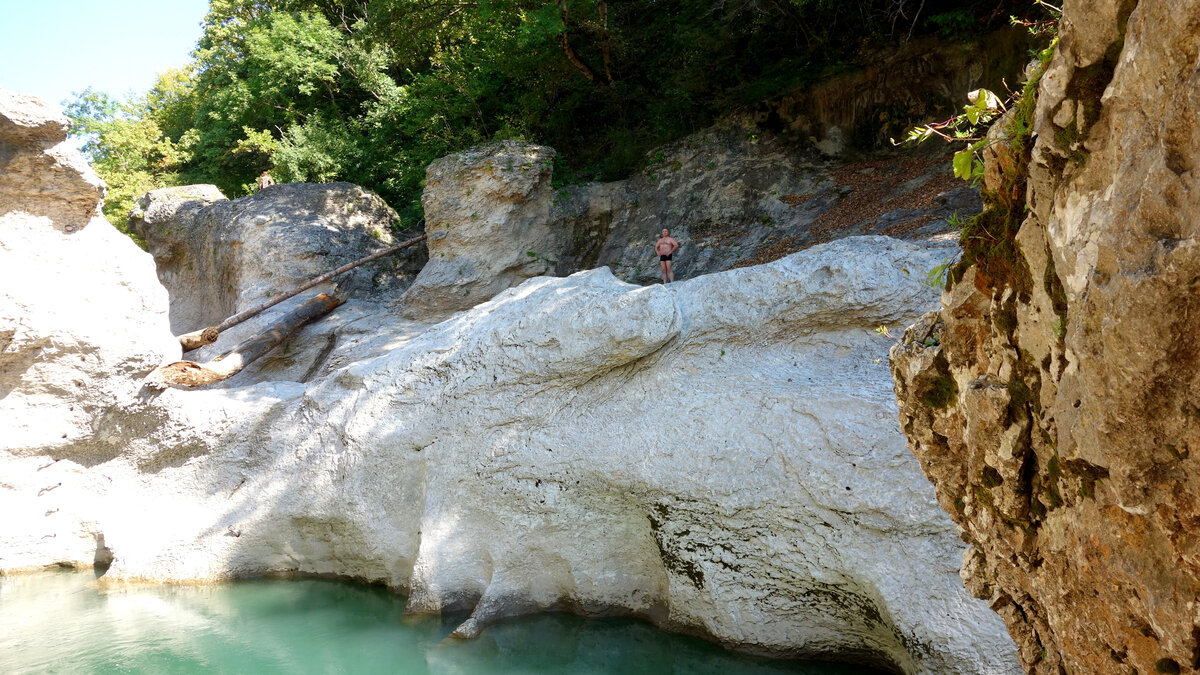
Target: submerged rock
x=1053, y=399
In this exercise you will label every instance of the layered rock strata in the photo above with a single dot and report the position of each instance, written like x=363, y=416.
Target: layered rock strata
x=1053, y=400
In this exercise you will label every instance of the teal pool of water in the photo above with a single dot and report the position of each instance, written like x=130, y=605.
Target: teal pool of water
x=60, y=622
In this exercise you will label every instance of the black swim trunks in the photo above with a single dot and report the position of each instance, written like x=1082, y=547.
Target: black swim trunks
x=664, y=258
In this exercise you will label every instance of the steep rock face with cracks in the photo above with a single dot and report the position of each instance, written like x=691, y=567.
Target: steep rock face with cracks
x=718, y=455
x=1054, y=399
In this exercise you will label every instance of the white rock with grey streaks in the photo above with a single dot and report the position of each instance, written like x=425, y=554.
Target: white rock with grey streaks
x=717, y=455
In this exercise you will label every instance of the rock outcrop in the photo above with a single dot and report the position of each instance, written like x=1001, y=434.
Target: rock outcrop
x=1053, y=400
x=82, y=321
x=487, y=214
x=218, y=257
x=41, y=173
x=736, y=195
x=718, y=455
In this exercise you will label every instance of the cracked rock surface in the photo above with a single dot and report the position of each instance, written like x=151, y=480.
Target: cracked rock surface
x=1055, y=406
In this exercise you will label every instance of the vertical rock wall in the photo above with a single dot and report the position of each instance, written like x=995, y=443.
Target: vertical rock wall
x=1055, y=399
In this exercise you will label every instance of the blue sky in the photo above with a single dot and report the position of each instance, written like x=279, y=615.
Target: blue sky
x=50, y=48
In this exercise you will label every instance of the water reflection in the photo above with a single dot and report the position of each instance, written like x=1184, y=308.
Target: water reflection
x=61, y=623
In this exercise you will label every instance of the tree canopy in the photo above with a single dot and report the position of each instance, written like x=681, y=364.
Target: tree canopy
x=371, y=91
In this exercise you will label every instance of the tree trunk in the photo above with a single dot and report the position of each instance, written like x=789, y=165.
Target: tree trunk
x=565, y=44
x=192, y=374
x=207, y=336
x=602, y=9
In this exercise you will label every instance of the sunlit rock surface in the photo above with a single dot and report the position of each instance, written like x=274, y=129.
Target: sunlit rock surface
x=487, y=214
x=717, y=455
x=218, y=257
x=82, y=321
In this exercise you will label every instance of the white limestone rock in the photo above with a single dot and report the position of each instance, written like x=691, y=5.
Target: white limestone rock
x=717, y=455
x=82, y=321
x=487, y=214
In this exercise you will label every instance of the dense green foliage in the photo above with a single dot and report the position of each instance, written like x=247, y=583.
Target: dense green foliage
x=371, y=91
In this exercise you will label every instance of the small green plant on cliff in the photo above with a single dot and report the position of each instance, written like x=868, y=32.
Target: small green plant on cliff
x=969, y=127
x=984, y=107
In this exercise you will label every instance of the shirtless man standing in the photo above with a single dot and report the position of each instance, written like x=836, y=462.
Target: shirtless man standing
x=665, y=247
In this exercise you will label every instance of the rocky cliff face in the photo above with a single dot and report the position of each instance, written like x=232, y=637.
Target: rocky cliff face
x=718, y=455
x=1053, y=400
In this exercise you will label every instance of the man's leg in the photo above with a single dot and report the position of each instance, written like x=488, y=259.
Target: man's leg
x=662, y=267
x=670, y=273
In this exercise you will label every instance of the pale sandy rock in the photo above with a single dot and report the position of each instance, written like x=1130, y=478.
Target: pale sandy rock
x=1055, y=409
x=41, y=173
x=487, y=214
x=81, y=317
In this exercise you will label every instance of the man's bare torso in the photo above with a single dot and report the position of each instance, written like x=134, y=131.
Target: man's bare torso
x=665, y=246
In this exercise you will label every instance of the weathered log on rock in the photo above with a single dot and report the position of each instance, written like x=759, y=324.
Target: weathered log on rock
x=207, y=336
x=199, y=338
x=192, y=374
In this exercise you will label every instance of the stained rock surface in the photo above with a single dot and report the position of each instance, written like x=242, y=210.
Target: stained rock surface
x=1053, y=399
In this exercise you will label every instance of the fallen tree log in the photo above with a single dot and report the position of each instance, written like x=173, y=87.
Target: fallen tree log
x=207, y=336
x=192, y=374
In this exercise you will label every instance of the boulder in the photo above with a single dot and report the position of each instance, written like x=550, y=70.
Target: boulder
x=487, y=214
x=218, y=257
x=1053, y=399
x=41, y=172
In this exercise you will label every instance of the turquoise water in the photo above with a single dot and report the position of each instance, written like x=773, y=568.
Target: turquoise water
x=59, y=622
